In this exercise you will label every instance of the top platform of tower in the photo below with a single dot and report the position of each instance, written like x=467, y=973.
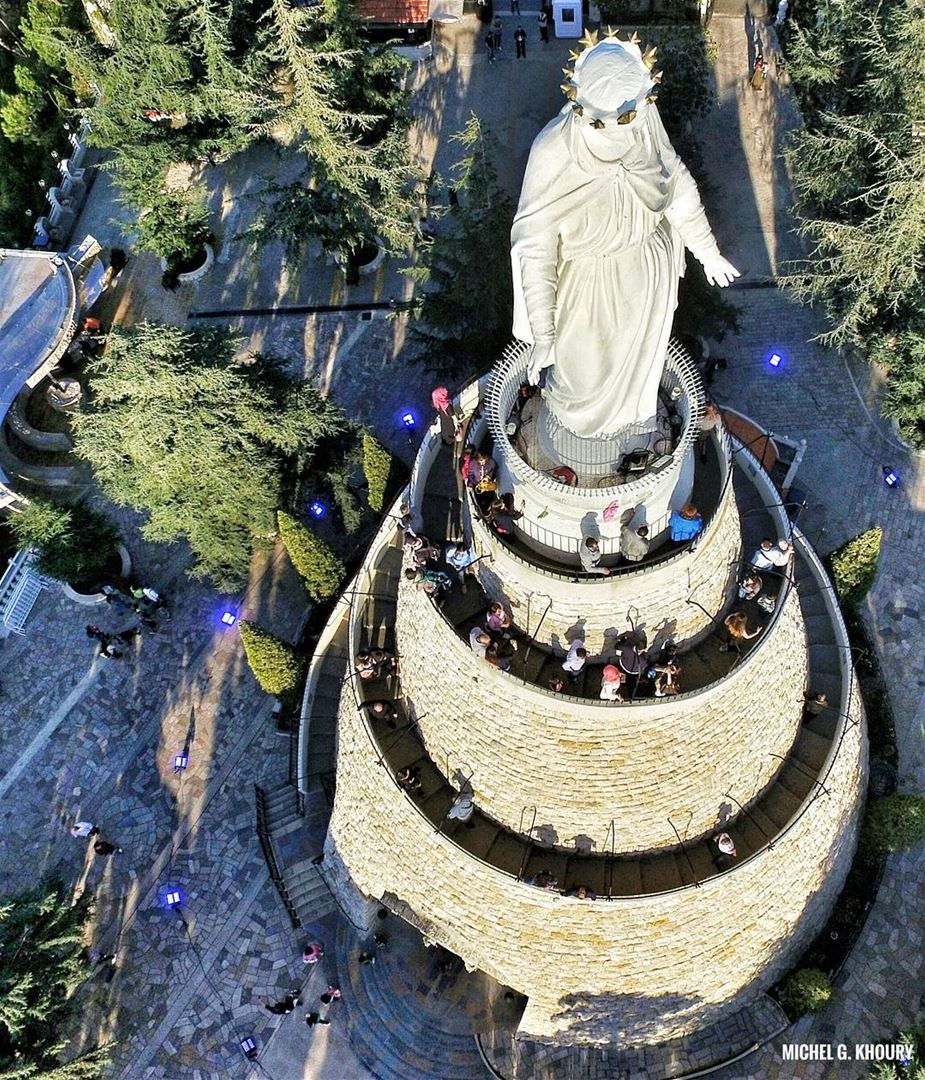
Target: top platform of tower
x=570, y=487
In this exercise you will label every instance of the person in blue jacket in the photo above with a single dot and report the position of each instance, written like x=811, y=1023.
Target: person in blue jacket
x=685, y=524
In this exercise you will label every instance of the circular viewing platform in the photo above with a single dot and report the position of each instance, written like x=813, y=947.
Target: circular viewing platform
x=570, y=487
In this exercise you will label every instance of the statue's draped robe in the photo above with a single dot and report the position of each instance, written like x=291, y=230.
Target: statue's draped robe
x=597, y=251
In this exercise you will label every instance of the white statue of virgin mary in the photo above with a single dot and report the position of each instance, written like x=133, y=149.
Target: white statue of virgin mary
x=606, y=210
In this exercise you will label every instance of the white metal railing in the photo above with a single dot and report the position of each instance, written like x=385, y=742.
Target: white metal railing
x=504, y=385
x=19, y=589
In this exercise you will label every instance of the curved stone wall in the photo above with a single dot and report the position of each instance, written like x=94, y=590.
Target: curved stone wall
x=584, y=765
x=659, y=593
x=640, y=969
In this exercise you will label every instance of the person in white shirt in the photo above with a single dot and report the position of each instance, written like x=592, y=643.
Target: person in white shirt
x=761, y=560
x=479, y=640
x=589, y=551
x=611, y=681
x=576, y=659
x=781, y=554
x=463, y=808
x=83, y=829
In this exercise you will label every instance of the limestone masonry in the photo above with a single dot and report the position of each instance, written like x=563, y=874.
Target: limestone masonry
x=626, y=799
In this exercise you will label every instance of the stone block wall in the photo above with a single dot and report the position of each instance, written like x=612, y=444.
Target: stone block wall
x=627, y=971
x=660, y=593
x=584, y=765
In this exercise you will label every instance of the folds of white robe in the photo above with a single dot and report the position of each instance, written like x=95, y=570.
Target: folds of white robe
x=597, y=252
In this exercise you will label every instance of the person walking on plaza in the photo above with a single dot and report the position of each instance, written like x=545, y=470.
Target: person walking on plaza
x=490, y=45
x=496, y=28
x=84, y=829
x=103, y=847
x=312, y=952
x=286, y=1006
x=515, y=7
x=543, y=21
x=520, y=43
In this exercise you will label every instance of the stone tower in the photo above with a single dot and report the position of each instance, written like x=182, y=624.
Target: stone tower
x=620, y=803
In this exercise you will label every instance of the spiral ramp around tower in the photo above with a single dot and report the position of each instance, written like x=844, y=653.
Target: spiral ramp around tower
x=665, y=970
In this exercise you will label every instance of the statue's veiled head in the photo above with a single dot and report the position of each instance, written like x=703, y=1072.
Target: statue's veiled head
x=610, y=89
x=612, y=84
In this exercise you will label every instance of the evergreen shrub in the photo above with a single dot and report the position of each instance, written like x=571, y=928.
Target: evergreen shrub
x=854, y=565
x=377, y=466
x=320, y=566
x=275, y=664
x=894, y=823
x=807, y=990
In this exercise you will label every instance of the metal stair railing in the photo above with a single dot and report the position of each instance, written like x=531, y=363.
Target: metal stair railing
x=266, y=846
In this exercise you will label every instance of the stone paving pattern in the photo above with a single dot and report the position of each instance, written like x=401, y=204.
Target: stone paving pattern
x=109, y=757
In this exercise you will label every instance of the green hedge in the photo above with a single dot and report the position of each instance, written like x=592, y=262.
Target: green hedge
x=321, y=567
x=894, y=823
x=377, y=467
x=854, y=565
x=275, y=664
x=807, y=990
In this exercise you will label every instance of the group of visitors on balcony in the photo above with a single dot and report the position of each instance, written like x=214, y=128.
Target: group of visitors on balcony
x=636, y=664
x=493, y=640
x=545, y=879
x=372, y=664
x=634, y=545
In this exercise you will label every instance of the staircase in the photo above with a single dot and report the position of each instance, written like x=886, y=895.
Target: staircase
x=318, y=743
x=406, y=1018
x=292, y=843
x=308, y=891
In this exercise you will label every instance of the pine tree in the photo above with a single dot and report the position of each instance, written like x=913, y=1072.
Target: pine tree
x=463, y=303
x=205, y=441
x=340, y=107
x=859, y=174
x=73, y=543
x=176, y=57
x=42, y=962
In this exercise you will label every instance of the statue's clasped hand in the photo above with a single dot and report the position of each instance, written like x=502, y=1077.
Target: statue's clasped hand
x=719, y=271
x=542, y=357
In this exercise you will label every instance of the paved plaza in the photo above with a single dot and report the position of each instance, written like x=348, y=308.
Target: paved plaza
x=92, y=738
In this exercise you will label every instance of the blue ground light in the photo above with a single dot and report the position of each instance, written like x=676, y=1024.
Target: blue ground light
x=775, y=360
x=890, y=477
x=317, y=508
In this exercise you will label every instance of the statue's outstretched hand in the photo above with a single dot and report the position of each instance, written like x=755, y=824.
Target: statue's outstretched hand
x=719, y=271
x=542, y=357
